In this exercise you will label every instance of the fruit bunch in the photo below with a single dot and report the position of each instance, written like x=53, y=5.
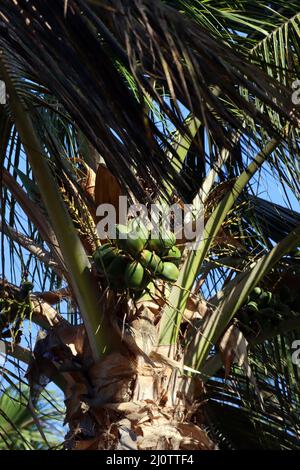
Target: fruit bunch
x=259, y=299
x=134, y=258
x=270, y=308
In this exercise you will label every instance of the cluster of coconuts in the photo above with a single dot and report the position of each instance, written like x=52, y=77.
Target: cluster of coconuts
x=136, y=257
x=271, y=307
x=259, y=299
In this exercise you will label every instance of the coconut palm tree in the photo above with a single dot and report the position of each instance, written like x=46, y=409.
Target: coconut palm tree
x=173, y=102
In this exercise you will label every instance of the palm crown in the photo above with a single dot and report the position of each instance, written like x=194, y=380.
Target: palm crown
x=164, y=102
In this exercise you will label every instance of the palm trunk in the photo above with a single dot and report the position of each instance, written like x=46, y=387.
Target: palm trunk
x=137, y=409
x=126, y=402
x=136, y=398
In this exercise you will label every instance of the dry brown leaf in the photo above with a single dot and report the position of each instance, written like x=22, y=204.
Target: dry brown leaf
x=53, y=297
x=233, y=348
x=89, y=183
x=73, y=400
x=107, y=188
x=111, y=378
x=194, y=437
x=87, y=444
x=74, y=337
x=127, y=438
x=195, y=308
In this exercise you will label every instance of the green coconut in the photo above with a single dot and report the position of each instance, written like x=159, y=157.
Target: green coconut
x=253, y=306
x=155, y=244
x=265, y=298
x=134, y=275
x=257, y=291
x=130, y=241
x=121, y=234
x=152, y=262
x=168, y=239
x=170, y=272
x=135, y=226
x=173, y=255
x=103, y=256
x=144, y=291
x=116, y=271
x=162, y=242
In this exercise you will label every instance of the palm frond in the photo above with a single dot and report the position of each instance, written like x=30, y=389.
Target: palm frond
x=273, y=220
x=235, y=411
x=155, y=43
x=18, y=429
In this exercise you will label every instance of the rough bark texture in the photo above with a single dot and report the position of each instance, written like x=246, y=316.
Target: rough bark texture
x=134, y=398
